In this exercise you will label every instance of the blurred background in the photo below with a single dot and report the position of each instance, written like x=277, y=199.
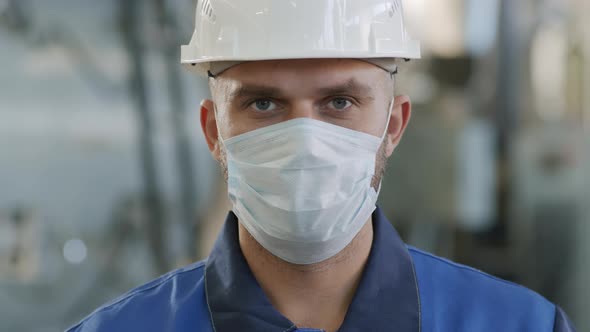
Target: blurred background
x=106, y=182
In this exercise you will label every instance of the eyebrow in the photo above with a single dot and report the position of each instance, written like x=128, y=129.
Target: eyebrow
x=250, y=90
x=350, y=87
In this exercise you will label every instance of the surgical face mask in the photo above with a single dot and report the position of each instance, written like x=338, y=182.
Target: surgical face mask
x=302, y=188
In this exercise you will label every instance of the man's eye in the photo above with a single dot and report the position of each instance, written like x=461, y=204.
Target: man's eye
x=340, y=104
x=264, y=105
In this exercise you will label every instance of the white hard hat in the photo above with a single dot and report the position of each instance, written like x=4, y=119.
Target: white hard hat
x=232, y=31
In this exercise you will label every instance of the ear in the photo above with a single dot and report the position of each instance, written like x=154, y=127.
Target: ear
x=400, y=117
x=209, y=127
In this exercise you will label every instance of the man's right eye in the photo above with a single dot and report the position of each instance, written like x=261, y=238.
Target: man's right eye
x=264, y=105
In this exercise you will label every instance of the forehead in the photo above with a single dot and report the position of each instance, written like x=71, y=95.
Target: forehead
x=303, y=75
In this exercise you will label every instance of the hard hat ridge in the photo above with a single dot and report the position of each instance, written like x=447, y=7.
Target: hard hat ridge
x=233, y=31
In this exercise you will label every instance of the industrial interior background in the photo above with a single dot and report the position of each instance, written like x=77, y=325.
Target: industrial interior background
x=106, y=182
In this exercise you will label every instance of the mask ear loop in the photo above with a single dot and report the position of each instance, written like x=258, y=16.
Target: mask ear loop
x=385, y=134
x=388, y=118
x=219, y=137
x=392, y=73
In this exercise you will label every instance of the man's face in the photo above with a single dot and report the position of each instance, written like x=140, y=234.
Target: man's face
x=349, y=93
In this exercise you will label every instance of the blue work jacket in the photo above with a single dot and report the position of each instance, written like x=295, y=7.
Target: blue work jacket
x=402, y=289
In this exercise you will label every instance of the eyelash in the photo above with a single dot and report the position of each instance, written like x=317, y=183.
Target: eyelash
x=252, y=102
x=348, y=99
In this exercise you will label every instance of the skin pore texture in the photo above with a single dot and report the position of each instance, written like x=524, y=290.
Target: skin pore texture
x=346, y=92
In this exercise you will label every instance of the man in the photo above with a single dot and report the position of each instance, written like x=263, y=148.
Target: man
x=302, y=120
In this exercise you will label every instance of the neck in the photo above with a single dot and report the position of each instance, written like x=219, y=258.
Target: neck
x=316, y=295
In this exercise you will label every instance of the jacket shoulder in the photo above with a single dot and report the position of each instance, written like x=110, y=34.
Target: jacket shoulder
x=461, y=298
x=162, y=304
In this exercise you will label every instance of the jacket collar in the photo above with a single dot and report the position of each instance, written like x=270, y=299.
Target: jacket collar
x=387, y=296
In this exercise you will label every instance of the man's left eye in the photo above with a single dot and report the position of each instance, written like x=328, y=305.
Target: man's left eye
x=340, y=104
